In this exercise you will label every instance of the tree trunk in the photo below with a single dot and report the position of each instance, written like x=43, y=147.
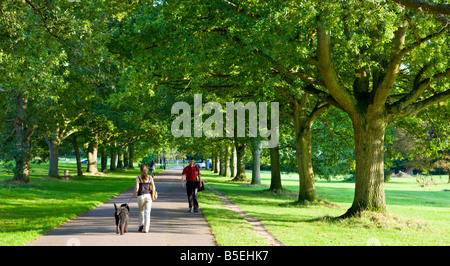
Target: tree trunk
x=22, y=155
x=233, y=160
x=125, y=157
x=256, y=169
x=302, y=129
x=227, y=171
x=53, y=146
x=217, y=164
x=54, y=140
x=213, y=161
x=92, y=158
x=112, y=164
x=240, y=150
x=77, y=155
x=305, y=169
x=448, y=171
x=104, y=158
x=131, y=156
x=275, y=180
x=369, y=154
x=222, y=161
x=120, y=157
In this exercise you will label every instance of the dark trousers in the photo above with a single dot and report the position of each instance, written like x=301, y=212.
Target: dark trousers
x=191, y=189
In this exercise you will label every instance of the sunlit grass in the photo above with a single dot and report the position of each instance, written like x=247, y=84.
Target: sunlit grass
x=416, y=216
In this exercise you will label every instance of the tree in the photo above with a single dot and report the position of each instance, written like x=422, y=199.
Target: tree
x=371, y=95
x=303, y=121
x=371, y=65
x=27, y=76
x=53, y=55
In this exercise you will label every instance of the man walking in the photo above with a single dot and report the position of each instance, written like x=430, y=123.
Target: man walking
x=190, y=173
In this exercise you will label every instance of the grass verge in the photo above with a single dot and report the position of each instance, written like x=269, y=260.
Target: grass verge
x=416, y=216
x=229, y=228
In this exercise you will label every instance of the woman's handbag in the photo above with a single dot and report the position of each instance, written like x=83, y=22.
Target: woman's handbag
x=154, y=192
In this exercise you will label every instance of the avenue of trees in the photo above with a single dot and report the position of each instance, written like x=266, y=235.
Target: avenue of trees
x=353, y=80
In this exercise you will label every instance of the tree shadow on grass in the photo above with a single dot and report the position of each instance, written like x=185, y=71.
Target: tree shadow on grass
x=374, y=220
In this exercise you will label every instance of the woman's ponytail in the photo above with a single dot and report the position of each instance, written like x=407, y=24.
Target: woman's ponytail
x=144, y=170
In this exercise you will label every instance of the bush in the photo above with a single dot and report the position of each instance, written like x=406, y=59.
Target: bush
x=9, y=167
x=149, y=158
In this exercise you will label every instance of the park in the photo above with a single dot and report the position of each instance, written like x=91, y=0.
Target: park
x=314, y=123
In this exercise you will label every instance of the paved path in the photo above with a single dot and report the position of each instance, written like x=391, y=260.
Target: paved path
x=171, y=224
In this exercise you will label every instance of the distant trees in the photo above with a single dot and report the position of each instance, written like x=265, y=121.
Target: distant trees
x=59, y=79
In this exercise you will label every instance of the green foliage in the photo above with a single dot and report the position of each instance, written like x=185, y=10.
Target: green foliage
x=9, y=167
x=149, y=158
x=333, y=145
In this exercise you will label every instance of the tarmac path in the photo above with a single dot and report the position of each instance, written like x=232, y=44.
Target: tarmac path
x=171, y=224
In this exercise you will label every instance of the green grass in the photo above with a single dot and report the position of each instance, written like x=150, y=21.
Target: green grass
x=417, y=216
x=30, y=210
x=230, y=229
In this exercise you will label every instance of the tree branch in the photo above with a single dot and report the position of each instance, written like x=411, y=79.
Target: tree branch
x=281, y=90
x=306, y=78
x=406, y=50
x=317, y=111
x=433, y=7
x=418, y=89
x=381, y=93
x=324, y=96
x=326, y=69
x=395, y=112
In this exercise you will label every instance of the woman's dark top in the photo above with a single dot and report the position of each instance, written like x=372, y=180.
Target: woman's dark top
x=144, y=188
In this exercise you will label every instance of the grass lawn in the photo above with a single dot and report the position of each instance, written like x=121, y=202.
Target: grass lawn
x=30, y=210
x=417, y=216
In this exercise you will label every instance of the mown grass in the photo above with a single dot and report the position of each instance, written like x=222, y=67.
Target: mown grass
x=230, y=229
x=416, y=216
x=28, y=211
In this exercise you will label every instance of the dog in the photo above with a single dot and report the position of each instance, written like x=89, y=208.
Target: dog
x=122, y=216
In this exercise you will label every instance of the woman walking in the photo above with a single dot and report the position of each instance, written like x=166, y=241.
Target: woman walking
x=144, y=187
